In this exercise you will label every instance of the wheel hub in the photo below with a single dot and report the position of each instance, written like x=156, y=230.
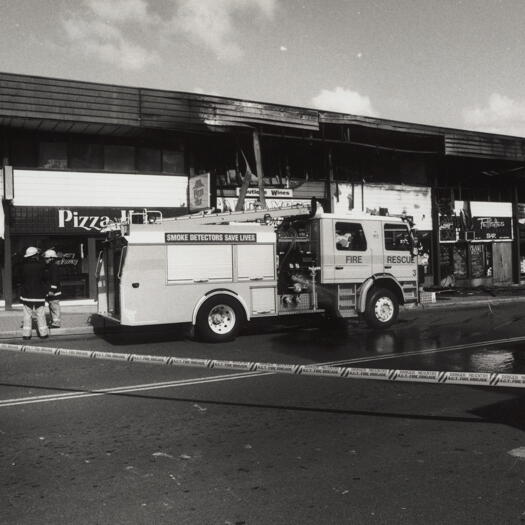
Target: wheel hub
x=221, y=319
x=384, y=309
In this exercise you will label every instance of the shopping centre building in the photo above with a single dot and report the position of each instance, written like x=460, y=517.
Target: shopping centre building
x=76, y=155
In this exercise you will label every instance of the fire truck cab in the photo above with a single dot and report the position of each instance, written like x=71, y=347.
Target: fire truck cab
x=218, y=271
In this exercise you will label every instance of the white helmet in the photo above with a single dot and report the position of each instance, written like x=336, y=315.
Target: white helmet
x=50, y=254
x=31, y=251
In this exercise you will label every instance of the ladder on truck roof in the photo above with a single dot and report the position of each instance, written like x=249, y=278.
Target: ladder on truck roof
x=238, y=216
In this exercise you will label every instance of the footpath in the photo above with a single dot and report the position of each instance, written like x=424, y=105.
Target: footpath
x=82, y=319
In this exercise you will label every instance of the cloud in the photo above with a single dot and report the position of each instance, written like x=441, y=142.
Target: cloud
x=501, y=115
x=99, y=31
x=120, y=10
x=112, y=30
x=77, y=29
x=211, y=23
x=344, y=101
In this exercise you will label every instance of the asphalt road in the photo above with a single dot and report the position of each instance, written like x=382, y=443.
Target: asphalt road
x=99, y=442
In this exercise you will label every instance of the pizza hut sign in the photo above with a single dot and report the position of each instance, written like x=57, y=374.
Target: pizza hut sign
x=76, y=220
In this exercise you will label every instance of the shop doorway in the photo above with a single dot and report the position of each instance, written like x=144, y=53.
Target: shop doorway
x=502, y=260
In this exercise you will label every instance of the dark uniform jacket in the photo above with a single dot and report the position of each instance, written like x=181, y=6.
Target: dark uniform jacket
x=34, y=288
x=53, y=282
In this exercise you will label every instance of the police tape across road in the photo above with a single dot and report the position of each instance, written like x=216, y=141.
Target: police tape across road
x=382, y=374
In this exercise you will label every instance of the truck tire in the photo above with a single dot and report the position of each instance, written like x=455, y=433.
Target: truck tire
x=382, y=309
x=219, y=319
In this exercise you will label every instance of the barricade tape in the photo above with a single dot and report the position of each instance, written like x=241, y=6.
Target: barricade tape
x=382, y=374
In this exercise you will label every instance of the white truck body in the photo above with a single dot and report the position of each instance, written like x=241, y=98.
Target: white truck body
x=168, y=270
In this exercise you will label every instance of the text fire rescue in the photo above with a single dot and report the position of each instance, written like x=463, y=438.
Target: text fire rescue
x=211, y=237
x=391, y=259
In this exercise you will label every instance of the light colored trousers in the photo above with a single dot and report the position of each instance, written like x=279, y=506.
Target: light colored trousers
x=40, y=312
x=54, y=310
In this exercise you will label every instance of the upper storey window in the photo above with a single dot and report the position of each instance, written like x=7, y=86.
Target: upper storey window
x=52, y=155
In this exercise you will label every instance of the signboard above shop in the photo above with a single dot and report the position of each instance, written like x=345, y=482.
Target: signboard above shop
x=71, y=220
x=492, y=228
x=484, y=221
x=272, y=193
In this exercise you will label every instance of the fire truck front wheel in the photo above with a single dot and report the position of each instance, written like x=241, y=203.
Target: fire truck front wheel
x=219, y=319
x=382, y=309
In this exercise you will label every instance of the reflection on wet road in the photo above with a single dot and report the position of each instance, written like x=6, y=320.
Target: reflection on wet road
x=488, y=339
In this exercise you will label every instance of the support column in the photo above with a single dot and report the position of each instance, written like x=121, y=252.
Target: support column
x=7, y=273
x=92, y=267
x=259, y=167
x=435, y=253
x=7, y=270
x=331, y=182
x=516, y=267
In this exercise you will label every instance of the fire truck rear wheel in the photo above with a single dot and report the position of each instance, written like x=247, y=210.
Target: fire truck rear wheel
x=382, y=309
x=219, y=319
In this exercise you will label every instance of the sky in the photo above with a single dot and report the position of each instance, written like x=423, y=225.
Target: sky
x=452, y=63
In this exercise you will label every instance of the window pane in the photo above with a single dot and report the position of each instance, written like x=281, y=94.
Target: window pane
x=86, y=156
x=52, y=155
x=119, y=158
x=172, y=161
x=396, y=237
x=148, y=159
x=480, y=260
x=24, y=153
x=72, y=262
x=349, y=236
x=460, y=262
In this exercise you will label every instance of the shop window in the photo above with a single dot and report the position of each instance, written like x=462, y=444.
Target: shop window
x=349, y=236
x=172, y=161
x=52, y=155
x=459, y=255
x=119, y=158
x=24, y=153
x=480, y=260
x=522, y=255
x=396, y=237
x=72, y=262
x=453, y=261
x=148, y=159
x=446, y=266
x=86, y=156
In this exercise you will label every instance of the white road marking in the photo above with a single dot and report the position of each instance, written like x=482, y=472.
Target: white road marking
x=243, y=375
x=518, y=452
x=122, y=390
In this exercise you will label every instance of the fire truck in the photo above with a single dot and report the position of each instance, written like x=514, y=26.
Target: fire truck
x=220, y=270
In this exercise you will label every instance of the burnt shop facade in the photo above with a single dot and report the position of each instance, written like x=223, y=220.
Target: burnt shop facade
x=73, y=226
x=77, y=154
x=478, y=244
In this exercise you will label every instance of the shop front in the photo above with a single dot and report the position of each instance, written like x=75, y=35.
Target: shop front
x=74, y=233
x=67, y=211
x=476, y=241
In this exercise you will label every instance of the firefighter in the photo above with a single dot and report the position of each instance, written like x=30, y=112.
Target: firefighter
x=33, y=293
x=54, y=293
